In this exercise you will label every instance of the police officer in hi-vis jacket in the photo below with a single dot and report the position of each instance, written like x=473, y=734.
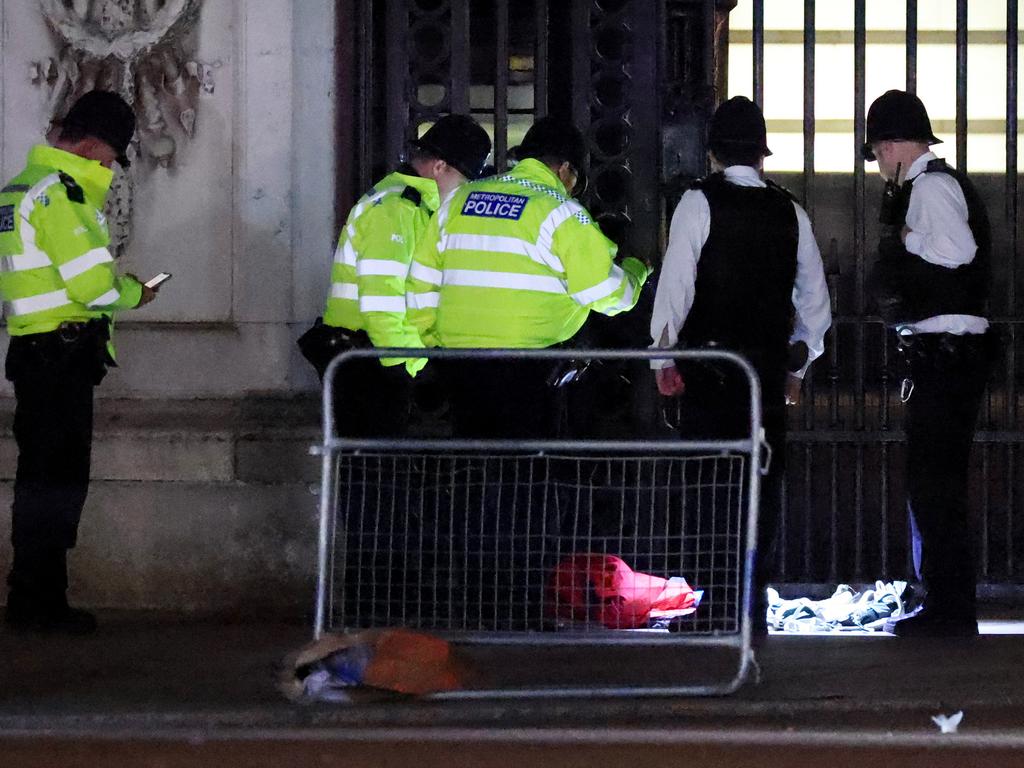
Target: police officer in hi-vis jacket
x=61, y=289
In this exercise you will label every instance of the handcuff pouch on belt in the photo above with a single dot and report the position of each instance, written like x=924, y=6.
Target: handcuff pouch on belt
x=322, y=343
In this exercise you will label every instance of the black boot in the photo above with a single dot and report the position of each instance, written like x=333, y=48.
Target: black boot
x=37, y=599
x=63, y=620
x=933, y=623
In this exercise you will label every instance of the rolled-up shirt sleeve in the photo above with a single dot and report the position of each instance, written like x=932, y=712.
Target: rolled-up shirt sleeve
x=810, y=293
x=691, y=225
x=937, y=218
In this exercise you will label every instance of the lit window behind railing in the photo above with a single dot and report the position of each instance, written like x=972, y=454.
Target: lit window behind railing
x=885, y=68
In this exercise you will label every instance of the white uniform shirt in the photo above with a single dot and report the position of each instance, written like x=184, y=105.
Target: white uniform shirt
x=691, y=226
x=939, y=234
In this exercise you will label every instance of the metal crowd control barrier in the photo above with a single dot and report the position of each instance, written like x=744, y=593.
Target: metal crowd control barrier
x=460, y=536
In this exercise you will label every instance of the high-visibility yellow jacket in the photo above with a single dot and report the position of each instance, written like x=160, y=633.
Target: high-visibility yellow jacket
x=512, y=261
x=372, y=262
x=54, y=263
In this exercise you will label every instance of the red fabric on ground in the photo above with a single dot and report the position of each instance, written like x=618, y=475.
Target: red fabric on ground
x=604, y=589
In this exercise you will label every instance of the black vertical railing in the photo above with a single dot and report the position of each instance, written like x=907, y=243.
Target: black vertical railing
x=365, y=108
x=642, y=127
x=961, y=84
x=1011, y=208
x=860, y=348
x=582, y=46
x=540, y=60
x=347, y=71
x=984, y=554
x=998, y=557
x=1012, y=212
x=758, y=45
x=398, y=81
x=1011, y=479
x=708, y=52
x=912, y=46
x=460, y=57
x=809, y=40
x=501, y=84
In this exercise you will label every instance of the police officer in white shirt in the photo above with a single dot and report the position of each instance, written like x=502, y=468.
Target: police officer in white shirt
x=742, y=272
x=931, y=284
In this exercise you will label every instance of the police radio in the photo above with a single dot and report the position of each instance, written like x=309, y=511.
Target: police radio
x=895, y=200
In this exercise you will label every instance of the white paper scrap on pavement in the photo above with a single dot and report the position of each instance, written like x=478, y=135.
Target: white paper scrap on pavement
x=948, y=723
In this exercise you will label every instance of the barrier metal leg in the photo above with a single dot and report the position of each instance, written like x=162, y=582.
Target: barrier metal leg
x=328, y=487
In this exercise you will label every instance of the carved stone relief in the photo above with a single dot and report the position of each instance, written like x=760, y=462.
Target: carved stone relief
x=143, y=50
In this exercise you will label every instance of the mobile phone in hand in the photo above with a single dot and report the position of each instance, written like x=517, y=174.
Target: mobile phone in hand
x=157, y=280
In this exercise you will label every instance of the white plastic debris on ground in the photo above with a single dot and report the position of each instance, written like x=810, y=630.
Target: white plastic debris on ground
x=845, y=611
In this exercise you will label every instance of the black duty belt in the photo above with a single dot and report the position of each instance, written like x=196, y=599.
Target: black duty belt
x=942, y=350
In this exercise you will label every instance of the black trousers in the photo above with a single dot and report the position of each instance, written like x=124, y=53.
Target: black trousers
x=53, y=381
x=494, y=522
x=716, y=405
x=949, y=375
x=371, y=400
x=501, y=399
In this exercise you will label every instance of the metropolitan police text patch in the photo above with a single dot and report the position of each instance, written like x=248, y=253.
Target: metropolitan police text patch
x=494, y=205
x=6, y=218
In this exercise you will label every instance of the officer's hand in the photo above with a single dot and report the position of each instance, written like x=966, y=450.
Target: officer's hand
x=148, y=294
x=645, y=260
x=903, y=234
x=794, y=384
x=621, y=256
x=670, y=381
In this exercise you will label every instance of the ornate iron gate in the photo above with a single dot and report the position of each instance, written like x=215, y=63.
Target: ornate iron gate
x=638, y=77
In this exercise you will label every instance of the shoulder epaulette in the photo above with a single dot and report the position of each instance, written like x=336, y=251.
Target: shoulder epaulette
x=75, y=193
x=703, y=181
x=412, y=195
x=779, y=188
x=938, y=165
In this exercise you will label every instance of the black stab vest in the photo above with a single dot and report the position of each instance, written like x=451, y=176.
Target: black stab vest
x=744, y=289
x=909, y=289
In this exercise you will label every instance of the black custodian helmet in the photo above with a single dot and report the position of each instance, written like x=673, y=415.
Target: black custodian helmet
x=738, y=123
x=897, y=115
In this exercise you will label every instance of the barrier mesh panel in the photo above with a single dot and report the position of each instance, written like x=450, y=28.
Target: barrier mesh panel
x=471, y=543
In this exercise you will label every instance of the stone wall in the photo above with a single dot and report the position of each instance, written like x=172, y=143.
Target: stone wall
x=244, y=215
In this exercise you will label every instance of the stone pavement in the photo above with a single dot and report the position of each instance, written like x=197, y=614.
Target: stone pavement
x=158, y=690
